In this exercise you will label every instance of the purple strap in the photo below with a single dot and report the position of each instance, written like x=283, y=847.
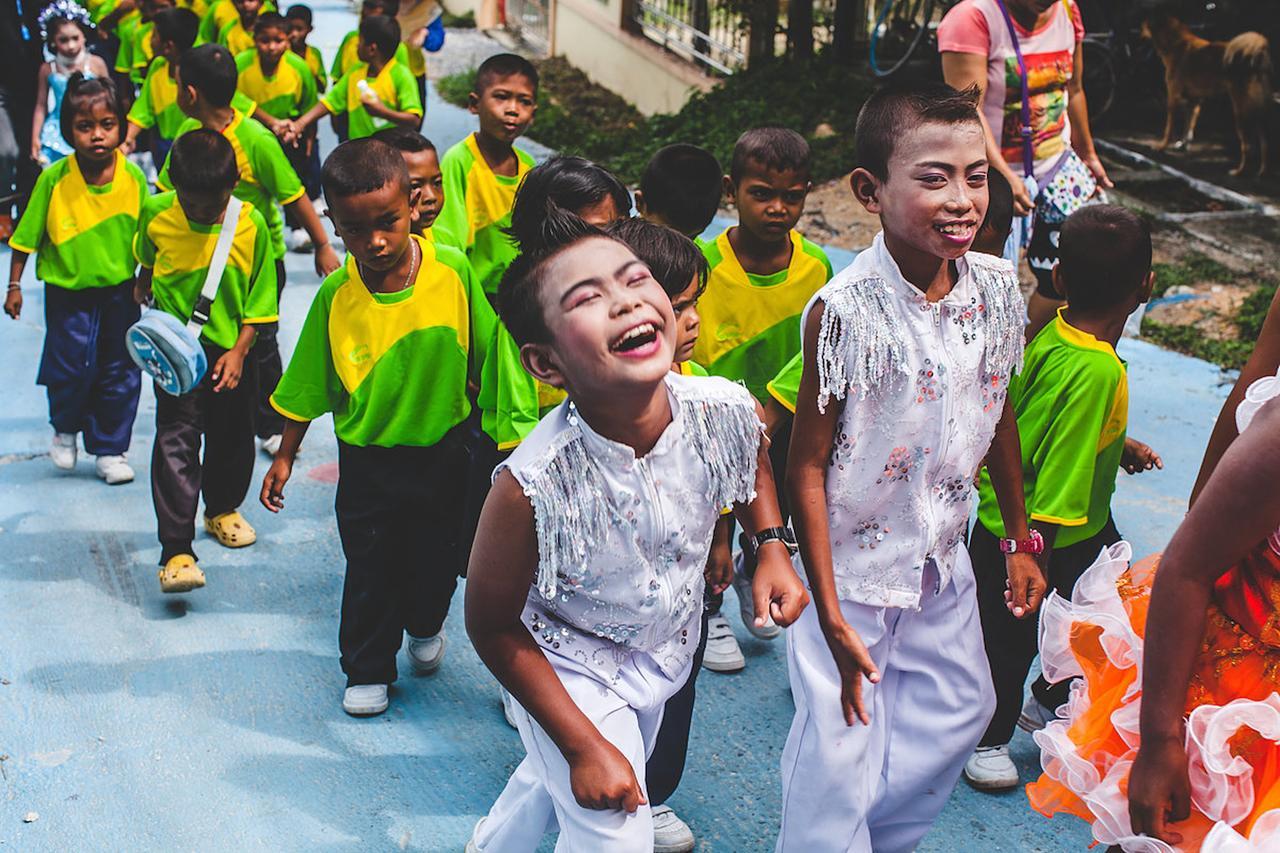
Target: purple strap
x=1028, y=157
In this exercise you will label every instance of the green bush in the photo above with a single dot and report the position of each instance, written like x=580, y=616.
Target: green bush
x=465, y=21
x=1192, y=268
x=1192, y=341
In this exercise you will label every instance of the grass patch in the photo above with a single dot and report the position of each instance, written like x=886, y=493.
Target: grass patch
x=1191, y=269
x=465, y=21
x=1253, y=311
x=575, y=116
x=1192, y=341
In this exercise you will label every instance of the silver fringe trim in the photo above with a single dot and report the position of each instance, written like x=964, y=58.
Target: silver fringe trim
x=726, y=434
x=860, y=341
x=1006, y=314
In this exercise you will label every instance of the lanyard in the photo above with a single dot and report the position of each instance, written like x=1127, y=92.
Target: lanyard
x=1028, y=157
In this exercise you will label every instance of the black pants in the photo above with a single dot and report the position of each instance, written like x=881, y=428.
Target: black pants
x=665, y=767
x=266, y=356
x=398, y=517
x=1012, y=643
x=178, y=475
x=483, y=456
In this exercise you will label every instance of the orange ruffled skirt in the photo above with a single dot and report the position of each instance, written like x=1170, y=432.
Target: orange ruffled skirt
x=1233, y=706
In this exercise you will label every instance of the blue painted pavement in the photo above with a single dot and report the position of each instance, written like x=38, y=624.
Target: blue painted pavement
x=135, y=721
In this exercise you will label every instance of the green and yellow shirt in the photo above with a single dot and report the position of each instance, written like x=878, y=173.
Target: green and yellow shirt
x=125, y=29
x=135, y=53
x=394, y=86
x=690, y=368
x=751, y=323
x=221, y=13
x=346, y=58
x=391, y=367
x=266, y=178
x=81, y=234
x=288, y=93
x=178, y=251
x=315, y=62
x=157, y=103
x=477, y=207
x=1072, y=404
x=785, y=387
x=235, y=37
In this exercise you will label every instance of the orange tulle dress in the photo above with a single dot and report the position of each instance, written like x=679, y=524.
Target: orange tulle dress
x=1232, y=706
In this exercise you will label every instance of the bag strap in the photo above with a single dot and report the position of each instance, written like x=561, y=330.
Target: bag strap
x=1028, y=156
x=218, y=263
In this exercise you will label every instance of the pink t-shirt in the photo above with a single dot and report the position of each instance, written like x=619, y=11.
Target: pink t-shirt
x=978, y=26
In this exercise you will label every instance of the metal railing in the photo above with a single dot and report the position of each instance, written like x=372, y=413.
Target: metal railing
x=706, y=32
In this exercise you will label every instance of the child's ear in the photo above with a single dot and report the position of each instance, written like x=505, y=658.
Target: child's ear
x=1059, y=283
x=638, y=198
x=1144, y=293
x=866, y=189
x=328, y=214
x=473, y=103
x=730, y=188
x=541, y=363
x=415, y=198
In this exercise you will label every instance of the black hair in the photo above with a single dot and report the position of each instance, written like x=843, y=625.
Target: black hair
x=895, y=110
x=298, y=12
x=270, y=20
x=682, y=184
x=361, y=166
x=390, y=8
x=776, y=148
x=82, y=92
x=404, y=139
x=520, y=291
x=504, y=65
x=203, y=161
x=1104, y=255
x=210, y=69
x=54, y=24
x=172, y=4
x=999, y=203
x=565, y=182
x=383, y=32
x=672, y=257
x=178, y=26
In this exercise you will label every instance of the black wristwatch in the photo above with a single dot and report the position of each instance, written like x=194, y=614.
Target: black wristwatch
x=781, y=534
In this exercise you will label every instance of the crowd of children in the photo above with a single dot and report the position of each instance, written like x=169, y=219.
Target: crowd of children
x=576, y=409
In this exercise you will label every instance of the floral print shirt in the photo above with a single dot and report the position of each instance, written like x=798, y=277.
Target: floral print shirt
x=622, y=541
x=924, y=385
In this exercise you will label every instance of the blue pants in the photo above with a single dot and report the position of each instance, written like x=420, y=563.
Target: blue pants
x=91, y=381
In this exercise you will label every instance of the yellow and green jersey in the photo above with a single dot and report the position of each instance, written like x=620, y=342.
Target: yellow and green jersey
x=125, y=29
x=315, y=62
x=198, y=7
x=288, y=93
x=346, y=58
x=391, y=367
x=235, y=37
x=99, y=9
x=157, y=102
x=785, y=387
x=690, y=368
x=477, y=207
x=81, y=234
x=220, y=13
x=394, y=86
x=178, y=252
x=266, y=178
x=751, y=323
x=135, y=54
x=1072, y=404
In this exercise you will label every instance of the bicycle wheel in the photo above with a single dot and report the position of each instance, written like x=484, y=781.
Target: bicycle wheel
x=1099, y=77
x=899, y=29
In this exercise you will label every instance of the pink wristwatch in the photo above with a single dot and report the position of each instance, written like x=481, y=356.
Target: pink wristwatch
x=1034, y=544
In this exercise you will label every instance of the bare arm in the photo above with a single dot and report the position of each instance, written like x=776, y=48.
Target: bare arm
x=13, y=295
x=1004, y=464
x=326, y=258
x=41, y=110
x=503, y=564
x=403, y=119
x=962, y=70
x=1238, y=508
x=272, y=495
x=1078, y=113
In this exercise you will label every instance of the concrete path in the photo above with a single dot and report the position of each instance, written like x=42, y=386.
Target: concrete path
x=140, y=722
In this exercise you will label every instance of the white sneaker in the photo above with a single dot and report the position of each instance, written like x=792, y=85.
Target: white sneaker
x=991, y=769
x=1035, y=716
x=298, y=240
x=670, y=833
x=365, y=700
x=114, y=469
x=723, y=653
x=63, y=450
x=747, y=606
x=426, y=653
x=271, y=444
x=507, y=703
x=471, y=842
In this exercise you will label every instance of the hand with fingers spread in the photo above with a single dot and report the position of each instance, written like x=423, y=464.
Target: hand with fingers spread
x=854, y=663
x=777, y=590
x=602, y=778
x=1159, y=789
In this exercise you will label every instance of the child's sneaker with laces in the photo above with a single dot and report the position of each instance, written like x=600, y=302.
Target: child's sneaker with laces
x=63, y=450
x=271, y=444
x=365, y=700
x=747, y=607
x=426, y=653
x=115, y=470
x=670, y=833
x=991, y=769
x=723, y=654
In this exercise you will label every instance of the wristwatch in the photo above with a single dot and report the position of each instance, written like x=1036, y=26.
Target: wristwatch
x=1034, y=544
x=781, y=534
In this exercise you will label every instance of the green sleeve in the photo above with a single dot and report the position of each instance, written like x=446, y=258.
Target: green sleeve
x=508, y=396
x=124, y=56
x=407, y=100
x=308, y=98
x=453, y=224
x=335, y=100
x=484, y=321
x=143, y=249
x=226, y=28
x=244, y=59
x=310, y=386
x=785, y=387
x=208, y=25
x=696, y=369
x=1065, y=458
x=337, y=71
x=261, y=302
x=322, y=80
x=273, y=169
x=162, y=179
x=242, y=102
x=30, y=233
x=141, y=113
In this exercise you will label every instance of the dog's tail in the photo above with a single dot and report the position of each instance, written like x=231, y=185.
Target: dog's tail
x=1248, y=55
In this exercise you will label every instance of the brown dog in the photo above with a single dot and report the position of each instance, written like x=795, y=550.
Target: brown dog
x=1196, y=70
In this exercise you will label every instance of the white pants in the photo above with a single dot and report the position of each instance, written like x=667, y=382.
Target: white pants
x=880, y=787
x=538, y=798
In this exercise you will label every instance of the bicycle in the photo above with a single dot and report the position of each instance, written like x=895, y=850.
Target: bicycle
x=900, y=29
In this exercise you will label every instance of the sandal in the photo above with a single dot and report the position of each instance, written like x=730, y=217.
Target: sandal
x=230, y=529
x=181, y=574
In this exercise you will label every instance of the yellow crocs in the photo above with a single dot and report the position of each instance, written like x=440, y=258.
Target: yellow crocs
x=181, y=574
x=230, y=529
